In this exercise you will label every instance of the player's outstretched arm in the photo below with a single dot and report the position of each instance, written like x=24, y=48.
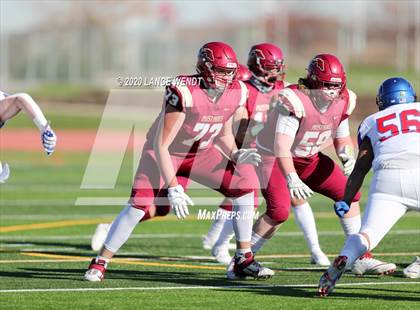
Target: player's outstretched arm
x=226, y=141
x=361, y=168
x=344, y=147
x=13, y=104
x=286, y=129
x=169, y=125
x=240, y=126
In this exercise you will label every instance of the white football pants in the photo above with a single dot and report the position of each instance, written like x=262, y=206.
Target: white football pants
x=392, y=193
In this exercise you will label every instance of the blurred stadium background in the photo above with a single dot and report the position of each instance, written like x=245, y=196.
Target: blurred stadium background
x=90, y=43
x=68, y=56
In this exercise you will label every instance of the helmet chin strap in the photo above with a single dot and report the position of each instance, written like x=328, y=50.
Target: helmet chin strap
x=321, y=103
x=212, y=92
x=259, y=84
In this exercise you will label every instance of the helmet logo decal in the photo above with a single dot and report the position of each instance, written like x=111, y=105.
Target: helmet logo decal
x=258, y=53
x=319, y=62
x=207, y=54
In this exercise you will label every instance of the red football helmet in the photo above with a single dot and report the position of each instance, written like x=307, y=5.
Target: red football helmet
x=243, y=73
x=217, y=64
x=326, y=73
x=265, y=61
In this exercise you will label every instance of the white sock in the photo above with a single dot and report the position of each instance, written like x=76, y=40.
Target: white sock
x=106, y=259
x=304, y=217
x=217, y=226
x=226, y=234
x=243, y=217
x=257, y=242
x=122, y=227
x=351, y=225
x=242, y=251
x=356, y=245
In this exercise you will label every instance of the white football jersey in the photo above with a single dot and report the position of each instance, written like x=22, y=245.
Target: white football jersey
x=395, y=136
x=2, y=95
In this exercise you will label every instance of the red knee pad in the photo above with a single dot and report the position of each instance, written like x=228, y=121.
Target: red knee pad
x=162, y=210
x=278, y=215
x=226, y=206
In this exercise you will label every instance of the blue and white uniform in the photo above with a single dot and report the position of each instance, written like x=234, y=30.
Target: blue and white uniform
x=394, y=134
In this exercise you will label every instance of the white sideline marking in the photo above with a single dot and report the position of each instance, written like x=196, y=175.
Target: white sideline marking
x=170, y=236
x=196, y=287
x=120, y=201
x=38, y=202
x=111, y=216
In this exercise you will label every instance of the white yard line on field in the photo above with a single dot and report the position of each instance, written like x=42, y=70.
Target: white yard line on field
x=172, y=236
x=90, y=289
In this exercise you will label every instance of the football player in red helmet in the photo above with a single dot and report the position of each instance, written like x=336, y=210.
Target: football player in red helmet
x=180, y=146
x=266, y=62
x=266, y=65
x=243, y=73
x=326, y=79
x=307, y=116
x=217, y=65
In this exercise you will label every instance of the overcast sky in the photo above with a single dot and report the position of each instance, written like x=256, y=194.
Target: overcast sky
x=18, y=15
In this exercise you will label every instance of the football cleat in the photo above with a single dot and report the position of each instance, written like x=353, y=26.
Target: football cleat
x=96, y=270
x=331, y=276
x=244, y=265
x=221, y=254
x=99, y=236
x=413, y=270
x=366, y=264
x=207, y=243
x=320, y=259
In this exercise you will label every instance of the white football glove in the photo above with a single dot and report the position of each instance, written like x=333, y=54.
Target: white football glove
x=246, y=156
x=297, y=188
x=48, y=139
x=179, y=201
x=348, y=163
x=4, y=172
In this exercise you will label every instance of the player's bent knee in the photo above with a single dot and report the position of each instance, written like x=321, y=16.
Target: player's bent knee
x=140, y=203
x=162, y=210
x=278, y=216
x=226, y=205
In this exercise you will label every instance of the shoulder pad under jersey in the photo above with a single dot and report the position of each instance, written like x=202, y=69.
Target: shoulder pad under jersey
x=352, y=102
x=291, y=102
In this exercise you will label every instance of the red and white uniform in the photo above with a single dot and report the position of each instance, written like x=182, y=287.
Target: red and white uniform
x=313, y=133
x=192, y=151
x=257, y=104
